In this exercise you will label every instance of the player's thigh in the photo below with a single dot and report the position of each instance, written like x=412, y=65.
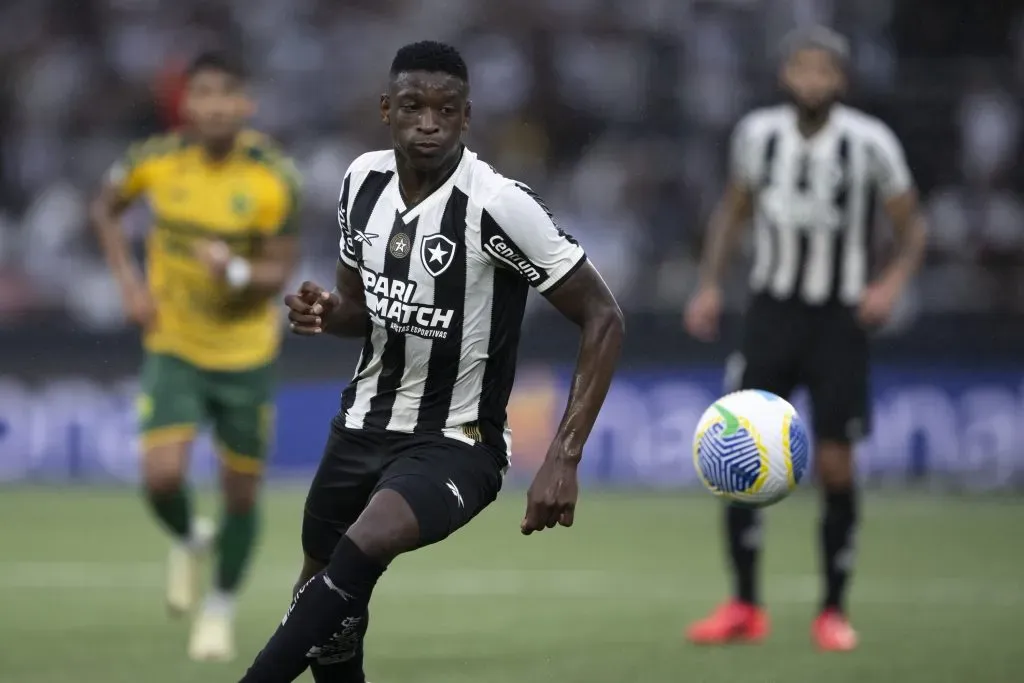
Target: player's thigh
x=241, y=408
x=170, y=410
x=837, y=374
x=349, y=471
x=770, y=349
x=445, y=482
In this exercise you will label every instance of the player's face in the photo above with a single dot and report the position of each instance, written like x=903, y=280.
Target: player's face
x=427, y=113
x=814, y=79
x=216, y=105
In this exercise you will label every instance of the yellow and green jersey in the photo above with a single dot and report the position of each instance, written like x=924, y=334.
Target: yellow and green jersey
x=251, y=195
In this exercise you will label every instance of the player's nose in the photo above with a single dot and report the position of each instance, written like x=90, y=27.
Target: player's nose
x=427, y=123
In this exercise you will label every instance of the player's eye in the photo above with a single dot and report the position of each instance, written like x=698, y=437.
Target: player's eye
x=409, y=107
x=448, y=110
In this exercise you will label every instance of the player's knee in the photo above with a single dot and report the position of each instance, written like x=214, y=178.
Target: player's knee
x=834, y=464
x=386, y=528
x=164, y=469
x=241, y=492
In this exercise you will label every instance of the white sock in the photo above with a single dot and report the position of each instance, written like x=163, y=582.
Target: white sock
x=202, y=535
x=219, y=603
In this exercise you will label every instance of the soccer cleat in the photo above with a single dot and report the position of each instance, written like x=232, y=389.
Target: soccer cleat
x=832, y=632
x=213, y=638
x=733, y=622
x=184, y=565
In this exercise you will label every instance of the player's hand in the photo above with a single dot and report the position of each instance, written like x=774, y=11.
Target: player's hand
x=877, y=303
x=214, y=254
x=139, y=306
x=551, y=498
x=703, y=313
x=308, y=308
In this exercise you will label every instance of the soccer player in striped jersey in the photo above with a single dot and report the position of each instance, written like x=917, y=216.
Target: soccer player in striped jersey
x=808, y=175
x=437, y=254
x=225, y=205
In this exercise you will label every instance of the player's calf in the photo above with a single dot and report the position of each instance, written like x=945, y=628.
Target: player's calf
x=164, y=468
x=212, y=636
x=838, y=529
x=339, y=594
x=163, y=475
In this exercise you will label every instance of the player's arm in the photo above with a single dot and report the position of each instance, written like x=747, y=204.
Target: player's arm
x=519, y=233
x=585, y=299
x=123, y=183
x=733, y=211
x=348, y=316
x=731, y=214
x=342, y=312
x=268, y=269
x=896, y=185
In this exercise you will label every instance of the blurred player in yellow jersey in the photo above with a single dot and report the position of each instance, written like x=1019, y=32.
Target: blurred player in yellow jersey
x=225, y=203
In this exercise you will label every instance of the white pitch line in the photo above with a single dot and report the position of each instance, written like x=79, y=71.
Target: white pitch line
x=526, y=583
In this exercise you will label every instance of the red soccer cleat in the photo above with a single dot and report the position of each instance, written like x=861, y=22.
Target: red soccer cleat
x=733, y=622
x=833, y=633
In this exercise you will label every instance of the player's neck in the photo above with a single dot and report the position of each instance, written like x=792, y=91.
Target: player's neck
x=810, y=123
x=216, y=151
x=416, y=185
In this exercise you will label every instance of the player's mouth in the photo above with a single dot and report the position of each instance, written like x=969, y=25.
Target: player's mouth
x=426, y=146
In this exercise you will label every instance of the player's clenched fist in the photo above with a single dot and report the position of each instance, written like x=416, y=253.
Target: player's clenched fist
x=308, y=309
x=551, y=498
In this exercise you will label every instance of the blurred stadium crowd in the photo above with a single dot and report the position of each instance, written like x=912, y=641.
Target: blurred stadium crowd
x=617, y=111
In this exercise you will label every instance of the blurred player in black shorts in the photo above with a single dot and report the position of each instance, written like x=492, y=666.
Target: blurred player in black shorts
x=808, y=175
x=437, y=255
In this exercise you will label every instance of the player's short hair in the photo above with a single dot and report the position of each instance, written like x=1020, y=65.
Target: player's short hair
x=432, y=56
x=216, y=60
x=817, y=38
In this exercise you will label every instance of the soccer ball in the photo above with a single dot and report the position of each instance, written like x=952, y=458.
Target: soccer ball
x=751, y=448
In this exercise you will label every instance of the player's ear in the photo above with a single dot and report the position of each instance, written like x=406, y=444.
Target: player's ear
x=468, y=115
x=385, y=109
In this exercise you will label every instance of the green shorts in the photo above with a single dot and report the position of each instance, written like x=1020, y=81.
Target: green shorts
x=178, y=397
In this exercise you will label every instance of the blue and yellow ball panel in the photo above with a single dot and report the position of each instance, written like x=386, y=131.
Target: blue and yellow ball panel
x=730, y=463
x=799, y=449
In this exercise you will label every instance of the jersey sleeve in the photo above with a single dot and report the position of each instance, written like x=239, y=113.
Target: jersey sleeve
x=282, y=205
x=132, y=174
x=742, y=160
x=518, y=232
x=346, y=244
x=889, y=164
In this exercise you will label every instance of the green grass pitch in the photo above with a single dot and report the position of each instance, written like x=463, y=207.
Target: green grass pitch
x=938, y=595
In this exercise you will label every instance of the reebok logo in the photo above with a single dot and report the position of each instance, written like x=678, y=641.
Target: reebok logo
x=455, y=492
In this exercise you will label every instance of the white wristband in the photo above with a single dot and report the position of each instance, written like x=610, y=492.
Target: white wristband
x=238, y=273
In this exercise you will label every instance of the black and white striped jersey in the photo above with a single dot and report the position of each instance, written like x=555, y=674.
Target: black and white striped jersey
x=446, y=283
x=815, y=200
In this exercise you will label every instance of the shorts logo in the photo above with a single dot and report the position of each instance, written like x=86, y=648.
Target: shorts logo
x=399, y=246
x=437, y=252
x=455, y=492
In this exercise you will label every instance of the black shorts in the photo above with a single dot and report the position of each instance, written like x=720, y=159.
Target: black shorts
x=446, y=483
x=823, y=348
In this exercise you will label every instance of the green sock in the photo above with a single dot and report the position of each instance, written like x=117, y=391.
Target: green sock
x=174, y=510
x=234, y=548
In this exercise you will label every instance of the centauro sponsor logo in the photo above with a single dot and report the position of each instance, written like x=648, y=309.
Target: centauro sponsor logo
x=511, y=256
x=391, y=300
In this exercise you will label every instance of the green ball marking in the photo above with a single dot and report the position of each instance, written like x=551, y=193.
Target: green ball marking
x=732, y=423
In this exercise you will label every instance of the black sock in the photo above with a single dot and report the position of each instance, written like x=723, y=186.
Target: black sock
x=341, y=592
x=743, y=526
x=341, y=660
x=837, y=544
